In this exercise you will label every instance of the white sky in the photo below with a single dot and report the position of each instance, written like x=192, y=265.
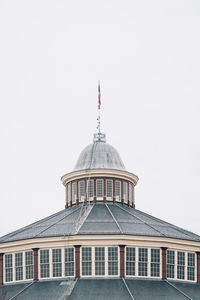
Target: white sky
x=147, y=55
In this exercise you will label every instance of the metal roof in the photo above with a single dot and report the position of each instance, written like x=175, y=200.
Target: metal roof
x=101, y=289
x=99, y=155
x=103, y=218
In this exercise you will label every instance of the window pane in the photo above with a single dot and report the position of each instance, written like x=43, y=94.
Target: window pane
x=81, y=190
x=44, y=263
x=191, y=266
x=74, y=192
x=125, y=192
x=86, y=261
x=69, y=193
x=112, y=260
x=142, y=264
x=29, y=264
x=99, y=188
x=155, y=262
x=8, y=267
x=99, y=261
x=118, y=190
x=130, y=261
x=57, y=262
x=180, y=265
x=69, y=262
x=19, y=266
x=90, y=189
x=109, y=189
x=130, y=194
x=170, y=263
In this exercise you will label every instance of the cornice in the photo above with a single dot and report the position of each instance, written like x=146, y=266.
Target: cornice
x=64, y=241
x=99, y=172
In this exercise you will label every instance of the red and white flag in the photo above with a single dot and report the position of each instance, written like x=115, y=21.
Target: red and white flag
x=99, y=96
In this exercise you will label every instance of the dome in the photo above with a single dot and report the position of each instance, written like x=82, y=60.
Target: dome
x=99, y=155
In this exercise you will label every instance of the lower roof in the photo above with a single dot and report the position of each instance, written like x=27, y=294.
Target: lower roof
x=102, y=289
x=97, y=219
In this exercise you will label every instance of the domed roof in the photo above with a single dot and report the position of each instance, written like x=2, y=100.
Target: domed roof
x=99, y=155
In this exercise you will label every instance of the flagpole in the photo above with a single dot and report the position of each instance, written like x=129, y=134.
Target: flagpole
x=99, y=108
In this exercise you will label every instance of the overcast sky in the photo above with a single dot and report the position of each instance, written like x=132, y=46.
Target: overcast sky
x=147, y=56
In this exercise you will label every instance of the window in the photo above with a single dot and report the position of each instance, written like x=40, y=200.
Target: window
x=19, y=266
x=69, y=262
x=99, y=189
x=99, y=261
x=81, y=191
x=69, y=193
x=155, y=262
x=86, y=261
x=190, y=266
x=118, y=190
x=74, y=192
x=130, y=261
x=130, y=194
x=170, y=263
x=8, y=267
x=112, y=261
x=90, y=189
x=142, y=262
x=125, y=192
x=180, y=265
x=57, y=262
x=109, y=190
x=44, y=263
x=29, y=264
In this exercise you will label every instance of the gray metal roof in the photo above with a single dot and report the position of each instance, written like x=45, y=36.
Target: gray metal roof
x=99, y=155
x=103, y=218
x=101, y=289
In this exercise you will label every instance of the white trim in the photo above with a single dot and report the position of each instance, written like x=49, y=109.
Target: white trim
x=100, y=173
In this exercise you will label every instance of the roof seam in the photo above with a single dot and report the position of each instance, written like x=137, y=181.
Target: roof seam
x=7, y=236
x=124, y=281
x=179, y=290
x=182, y=230
x=114, y=218
x=90, y=208
x=68, y=297
x=143, y=221
x=56, y=222
x=20, y=292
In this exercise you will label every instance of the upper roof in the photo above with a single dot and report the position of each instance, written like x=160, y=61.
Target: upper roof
x=99, y=155
x=102, y=218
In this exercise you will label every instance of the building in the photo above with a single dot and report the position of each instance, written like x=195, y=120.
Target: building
x=100, y=246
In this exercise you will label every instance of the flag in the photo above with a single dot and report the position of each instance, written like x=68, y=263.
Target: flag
x=99, y=96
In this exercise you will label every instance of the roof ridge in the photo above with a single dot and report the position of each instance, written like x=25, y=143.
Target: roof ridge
x=92, y=206
x=114, y=218
x=56, y=222
x=5, y=237
x=178, y=228
x=143, y=221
